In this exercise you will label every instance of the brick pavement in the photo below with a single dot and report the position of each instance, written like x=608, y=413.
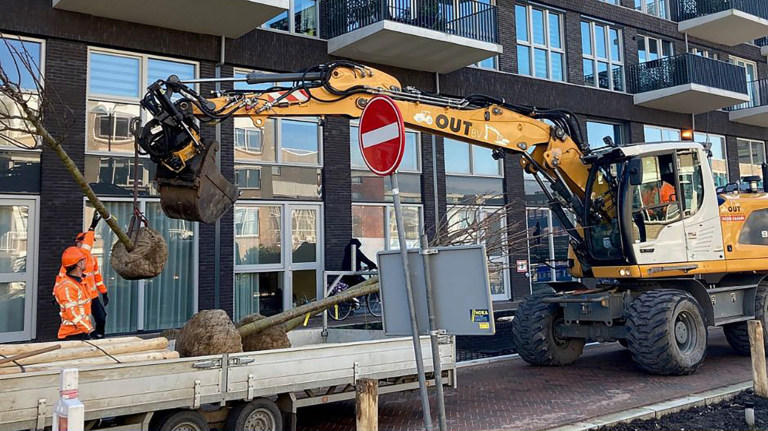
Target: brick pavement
x=512, y=395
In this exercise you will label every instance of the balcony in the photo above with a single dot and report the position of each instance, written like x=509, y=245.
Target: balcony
x=687, y=84
x=428, y=35
x=231, y=18
x=763, y=44
x=729, y=22
x=755, y=111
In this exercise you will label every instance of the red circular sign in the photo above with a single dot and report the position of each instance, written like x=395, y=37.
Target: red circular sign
x=382, y=135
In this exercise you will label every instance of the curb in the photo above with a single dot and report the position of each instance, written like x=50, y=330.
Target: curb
x=502, y=358
x=658, y=410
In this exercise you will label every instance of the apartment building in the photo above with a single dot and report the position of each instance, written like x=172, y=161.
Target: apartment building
x=631, y=70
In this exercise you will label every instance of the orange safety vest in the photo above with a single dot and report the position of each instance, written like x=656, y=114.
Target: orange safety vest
x=92, y=278
x=74, y=307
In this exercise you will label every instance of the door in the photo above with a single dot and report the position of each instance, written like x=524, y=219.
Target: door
x=304, y=262
x=750, y=70
x=18, y=268
x=658, y=230
x=701, y=211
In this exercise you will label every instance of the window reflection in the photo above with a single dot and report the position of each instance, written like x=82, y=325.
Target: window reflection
x=368, y=187
x=114, y=176
x=19, y=172
x=109, y=126
x=257, y=234
x=474, y=190
x=272, y=182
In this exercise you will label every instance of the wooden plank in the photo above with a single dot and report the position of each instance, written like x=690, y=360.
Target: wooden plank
x=367, y=405
x=88, y=351
x=15, y=349
x=757, y=349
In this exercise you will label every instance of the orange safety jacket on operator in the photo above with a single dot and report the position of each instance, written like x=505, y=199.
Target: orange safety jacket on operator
x=92, y=278
x=74, y=307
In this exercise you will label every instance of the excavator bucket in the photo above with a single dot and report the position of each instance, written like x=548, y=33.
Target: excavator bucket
x=200, y=193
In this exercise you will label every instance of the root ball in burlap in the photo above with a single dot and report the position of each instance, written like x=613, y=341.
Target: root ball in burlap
x=147, y=259
x=209, y=332
x=268, y=339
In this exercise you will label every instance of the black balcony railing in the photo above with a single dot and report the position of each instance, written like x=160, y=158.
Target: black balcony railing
x=763, y=41
x=685, y=69
x=471, y=18
x=758, y=96
x=690, y=9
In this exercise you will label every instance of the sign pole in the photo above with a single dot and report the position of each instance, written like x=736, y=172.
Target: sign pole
x=433, y=332
x=412, y=307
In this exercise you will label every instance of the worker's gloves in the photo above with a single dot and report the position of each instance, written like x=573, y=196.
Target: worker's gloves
x=95, y=220
x=105, y=297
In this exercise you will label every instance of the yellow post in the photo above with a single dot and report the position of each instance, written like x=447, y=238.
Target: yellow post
x=757, y=349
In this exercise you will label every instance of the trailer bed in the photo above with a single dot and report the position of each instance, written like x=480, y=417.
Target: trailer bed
x=311, y=373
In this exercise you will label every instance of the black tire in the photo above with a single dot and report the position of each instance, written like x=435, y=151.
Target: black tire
x=666, y=333
x=624, y=343
x=258, y=415
x=737, y=334
x=534, y=338
x=182, y=420
x=373, y=302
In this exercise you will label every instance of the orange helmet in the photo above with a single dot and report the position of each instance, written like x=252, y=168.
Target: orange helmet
x=71, y=256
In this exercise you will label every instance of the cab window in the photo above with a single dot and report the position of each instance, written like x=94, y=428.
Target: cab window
x=655, y=203
x=691, y=182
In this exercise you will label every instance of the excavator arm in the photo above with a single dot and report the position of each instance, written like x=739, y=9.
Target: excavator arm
x=552, y=151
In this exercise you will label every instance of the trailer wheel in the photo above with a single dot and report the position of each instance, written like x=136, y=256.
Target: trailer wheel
x=666, y=333
x=257, y=415
x=737, y=333
x=534, y=337
x=182, y=420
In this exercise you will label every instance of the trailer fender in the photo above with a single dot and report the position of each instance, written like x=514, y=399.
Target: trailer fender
x=699, y=293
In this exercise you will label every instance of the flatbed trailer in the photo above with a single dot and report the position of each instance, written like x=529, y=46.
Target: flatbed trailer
x=255, y=390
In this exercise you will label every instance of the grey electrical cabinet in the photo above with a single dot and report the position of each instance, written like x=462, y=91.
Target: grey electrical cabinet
x=463, y=304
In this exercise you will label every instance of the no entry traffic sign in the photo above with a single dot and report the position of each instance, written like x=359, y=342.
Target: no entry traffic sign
x=382, y=135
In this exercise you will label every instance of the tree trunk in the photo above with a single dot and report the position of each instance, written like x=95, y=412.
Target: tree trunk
x=362, y=289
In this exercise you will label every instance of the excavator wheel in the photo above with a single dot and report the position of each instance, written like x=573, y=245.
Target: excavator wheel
x=666, y=333
x=534, y=337
x=200, y=192
x=737, y=334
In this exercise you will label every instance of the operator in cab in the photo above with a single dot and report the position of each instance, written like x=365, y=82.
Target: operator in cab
x=73, y=300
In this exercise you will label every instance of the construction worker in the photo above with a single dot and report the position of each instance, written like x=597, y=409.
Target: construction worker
x=71, y=295
x=93, y=281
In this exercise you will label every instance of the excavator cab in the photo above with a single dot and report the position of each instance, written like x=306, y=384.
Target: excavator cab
x=189, y=180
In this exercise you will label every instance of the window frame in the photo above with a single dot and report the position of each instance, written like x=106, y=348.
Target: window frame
x=143, y=76
x=660, y=43
x=724, y=149
x=278, y=137
x=41, y=78
x=471, y=164
x=389, y=208
x=356, y=124
x=621, y=126
x=292, y=22
x=533, y=46
x=143, y=201
x=609, y=50
x=662, y=129
x=644, y=9
x=751, y=154
x=552, y=254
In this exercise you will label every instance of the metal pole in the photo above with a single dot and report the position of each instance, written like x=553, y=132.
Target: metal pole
x=433, y=333
x=411, y=305
x=217, y=226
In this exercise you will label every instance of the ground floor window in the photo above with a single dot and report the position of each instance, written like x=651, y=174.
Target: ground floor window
x=376, y=228
x=278, y=256
x=719, y=160
x=751, y=157
x=18, y=267
x=166, y=301
x=548, y=249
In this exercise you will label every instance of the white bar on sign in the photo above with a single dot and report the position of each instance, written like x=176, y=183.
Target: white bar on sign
x=381, y=135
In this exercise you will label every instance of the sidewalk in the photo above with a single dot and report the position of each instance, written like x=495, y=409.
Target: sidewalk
x=513, y=395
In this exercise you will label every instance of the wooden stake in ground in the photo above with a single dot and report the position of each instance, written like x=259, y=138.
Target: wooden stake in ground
x=757, y=349
x=367, y=404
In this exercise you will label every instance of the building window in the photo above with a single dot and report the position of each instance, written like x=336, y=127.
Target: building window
x=661, y=134
x=13, y=52
x=540, y=44
x=601, y=46
x=411, y=158
x=651, y=48
x=548, y=250
x=751, y=157
x=375, y=226
x=301, y=17
x=658, y=8
x=491, y=63
x=750, y=71
x=719, y=160
x=597, y=131
x=166, y=301
x=116, y=83
x=617, y=2
x=704, y=53
x=461, y=158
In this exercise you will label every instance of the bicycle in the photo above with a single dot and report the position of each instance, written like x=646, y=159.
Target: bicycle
x=344, y=309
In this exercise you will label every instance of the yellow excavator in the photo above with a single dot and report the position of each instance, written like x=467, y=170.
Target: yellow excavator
x=664, y=254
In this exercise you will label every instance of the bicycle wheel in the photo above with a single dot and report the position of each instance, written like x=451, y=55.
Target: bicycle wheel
x=373, y=301
x=340, y=311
